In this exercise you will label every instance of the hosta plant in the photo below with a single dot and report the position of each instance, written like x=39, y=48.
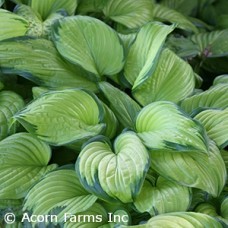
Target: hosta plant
x=113, y=113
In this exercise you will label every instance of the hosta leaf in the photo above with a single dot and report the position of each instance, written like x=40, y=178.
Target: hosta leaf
x=144, y=51
x=193, y=169
x=90, y=6
x=173, y=84
x=10, y=103
x=49, y=22
x=162, y=198
x=23, y=161
x=1, y=85
x=2, y=2
x=47, y=7
x=124, y=107
x=183, y=6
x=165, y=14
x=93, y=217
x=215, y=97
x=114, y=175
x=110, y=121
x=212, y=44
x=216, y=124
x=59, y=189
x=181, y=220
x=35, y=27
x=90, y=43
x=12, y=25
x=162, y=125
x=143, y=55
x=39, y=61
x=224, y=208
x=130, y=13
x=221, y=79
x=207, y=208
x=62, y=117
x=127, y=40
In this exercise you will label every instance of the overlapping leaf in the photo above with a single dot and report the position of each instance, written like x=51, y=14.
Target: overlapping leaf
x=130, y=13
x=124, y=107
x=212, y=44
x=47, y=7
x=162, y=125
x=220, y=79
x=216, y=124
x=193, y=169
x=125, y=168
x=59, y=189
x=23, y=161
x=144, y=52
x=38, y=27
x=94, y=217
x=165, y=14
x=183, y=6
x=224, y=208
x=174, y=84
x=62, y=117
x=215, y=97
x=10, y=103
x=111, y=122
x=90, y=6
x=90, y=43
x=162, y=198
x=34, y=21
x=12, y=25
x=39, y=61
x=181, y=220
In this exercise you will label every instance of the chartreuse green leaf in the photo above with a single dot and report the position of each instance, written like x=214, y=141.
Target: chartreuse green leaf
x=90, y=43
x=216, y=124
x=23, y=161
x=47, y=7
x=212, y=44
x=39, y=61
x=193, y=169
x=162, y=125
x=10, y=103
x=144, y=52
x=12, y=25
x=165, y=14
x=181, y=220
x=174, y=83
x=130, y=13
x=162, y=198
x=93, y=217
x=59, y=189
x=114, y=175
x=62, y=117
x=124, y=107
x=215, y=97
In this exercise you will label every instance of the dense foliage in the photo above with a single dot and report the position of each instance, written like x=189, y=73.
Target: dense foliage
x=114, y=113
